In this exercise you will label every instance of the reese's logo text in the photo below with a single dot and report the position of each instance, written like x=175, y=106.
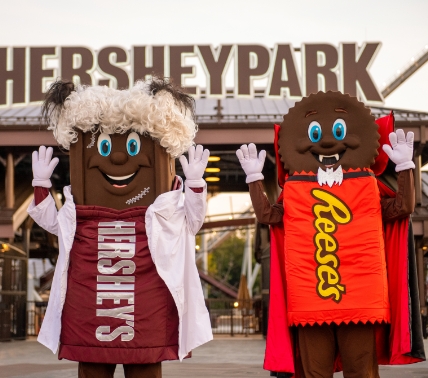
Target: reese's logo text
x=329, y=213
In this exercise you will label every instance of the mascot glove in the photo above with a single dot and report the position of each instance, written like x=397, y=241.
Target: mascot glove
x=43, y=166
x=250, y=163
x=401, y=152
x=194, y=168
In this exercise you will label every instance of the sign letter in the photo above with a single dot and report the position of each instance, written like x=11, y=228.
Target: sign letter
x=284, y=73
x=141, y=65
x=16, y=73
x=176, y=68
x=355, y=69
x=71, y=68
x=251, y=61
x=319, y=61
x=38, y=72
x=118, y=75
x=215, y=68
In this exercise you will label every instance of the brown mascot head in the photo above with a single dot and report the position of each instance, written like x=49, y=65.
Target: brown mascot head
x=122, y=142
x=328, y=130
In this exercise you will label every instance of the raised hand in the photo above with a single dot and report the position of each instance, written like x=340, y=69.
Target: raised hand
x=194, y=168
x=250, y=163
x=401, y=152
x=43, y=166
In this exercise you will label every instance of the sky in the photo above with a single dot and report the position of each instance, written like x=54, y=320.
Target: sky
x=401, y=27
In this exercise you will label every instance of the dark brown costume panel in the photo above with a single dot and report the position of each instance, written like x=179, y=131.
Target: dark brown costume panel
x=357, y=149
x=153, y=169
x=91, y=370
x=318, y=345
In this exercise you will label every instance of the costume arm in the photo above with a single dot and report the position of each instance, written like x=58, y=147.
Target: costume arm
x=45, y=214
x=265, y=212
x=195, y=207
x=404, y=202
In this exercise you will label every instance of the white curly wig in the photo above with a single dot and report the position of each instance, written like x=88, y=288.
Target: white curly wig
x=153, y=108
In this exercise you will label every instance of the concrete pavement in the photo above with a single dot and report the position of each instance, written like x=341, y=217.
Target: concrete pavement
x=224, y=356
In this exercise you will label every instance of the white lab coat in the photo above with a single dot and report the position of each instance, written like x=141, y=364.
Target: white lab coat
x=171, y=226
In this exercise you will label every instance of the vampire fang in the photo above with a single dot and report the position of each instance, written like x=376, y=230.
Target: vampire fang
x=328, y=160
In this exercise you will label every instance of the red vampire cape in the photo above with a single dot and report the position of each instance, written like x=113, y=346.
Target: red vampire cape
x=399, y=342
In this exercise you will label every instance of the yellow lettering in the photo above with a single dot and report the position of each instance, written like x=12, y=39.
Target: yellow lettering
x=329, y=226
x=334, y=212
x=333, y=204
x=330, y=244
x=333, y=279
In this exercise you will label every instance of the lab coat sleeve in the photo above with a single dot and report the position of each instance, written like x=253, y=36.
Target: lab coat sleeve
x=45, y=214
x=195, y=207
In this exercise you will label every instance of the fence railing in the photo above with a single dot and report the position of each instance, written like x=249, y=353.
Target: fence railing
x=35, y=314
x=228, y=316
x=232, y=317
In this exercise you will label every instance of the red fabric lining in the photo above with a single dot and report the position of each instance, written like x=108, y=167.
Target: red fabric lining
x=386, y=126
x=40, y=194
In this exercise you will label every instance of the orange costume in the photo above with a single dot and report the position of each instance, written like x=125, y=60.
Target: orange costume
x=332, y=274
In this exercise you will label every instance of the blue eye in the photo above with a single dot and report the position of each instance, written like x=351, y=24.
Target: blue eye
x=133, y=144
x=339, y=129
x=104, y=144
x=314, y=131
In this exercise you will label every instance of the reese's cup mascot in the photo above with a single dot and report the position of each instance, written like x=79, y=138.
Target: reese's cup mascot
x=126, y=288
x=341, y=266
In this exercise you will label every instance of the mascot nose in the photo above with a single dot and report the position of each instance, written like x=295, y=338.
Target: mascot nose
x=118, y=158
x=328, y=142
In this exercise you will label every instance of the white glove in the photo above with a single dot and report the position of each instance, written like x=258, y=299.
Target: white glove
x=195, y=168
x=401, y=152
x=250, y=163
x=43, y=166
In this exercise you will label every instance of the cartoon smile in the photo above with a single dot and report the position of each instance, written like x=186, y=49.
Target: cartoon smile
x=119, y=181
x=328, y=160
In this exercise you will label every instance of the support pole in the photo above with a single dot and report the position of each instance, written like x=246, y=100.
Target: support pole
x=418, y=180
x=421, y=280
x=10, y=184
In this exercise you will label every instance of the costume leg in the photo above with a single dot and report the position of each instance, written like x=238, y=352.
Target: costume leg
x=317, y=348
x=94, y=370
x=357, y=347
x=143, y=370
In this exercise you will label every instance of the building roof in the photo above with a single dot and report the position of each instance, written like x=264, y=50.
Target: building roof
x=232, y=110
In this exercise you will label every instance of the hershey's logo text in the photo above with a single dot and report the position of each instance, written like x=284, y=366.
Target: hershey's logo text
x=116, y=240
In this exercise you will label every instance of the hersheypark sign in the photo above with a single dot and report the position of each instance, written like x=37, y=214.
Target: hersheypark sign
x=25, y=72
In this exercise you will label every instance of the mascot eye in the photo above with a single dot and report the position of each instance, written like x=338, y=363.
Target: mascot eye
x=314, y=131
x=104, y=144
x=339, y=129
x=133, y=144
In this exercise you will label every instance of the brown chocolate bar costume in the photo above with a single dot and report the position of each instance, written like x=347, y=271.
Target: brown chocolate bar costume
x=326, y=140
x=122, y=150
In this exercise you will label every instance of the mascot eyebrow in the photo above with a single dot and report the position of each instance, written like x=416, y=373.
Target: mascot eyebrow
x=310, y=112
x=340, y=110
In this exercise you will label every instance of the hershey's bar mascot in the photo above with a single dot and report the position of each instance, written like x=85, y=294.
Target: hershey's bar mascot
x=341, y=267
x=126, y=288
